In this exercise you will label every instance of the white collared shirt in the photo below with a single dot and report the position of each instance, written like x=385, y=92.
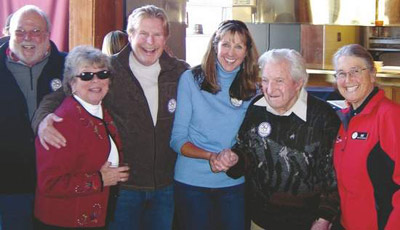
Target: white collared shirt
x=299, y=108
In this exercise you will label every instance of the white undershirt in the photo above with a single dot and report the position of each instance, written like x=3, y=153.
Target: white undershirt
x=97, y=111
x=148, y=79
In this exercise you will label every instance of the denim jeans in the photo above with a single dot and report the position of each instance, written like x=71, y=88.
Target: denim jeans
x=144, y=210
x=16, y=211
x=200, y=208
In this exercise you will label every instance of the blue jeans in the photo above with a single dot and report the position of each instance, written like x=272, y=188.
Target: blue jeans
x=200, y=208
x=144, y=210
x=16, y=211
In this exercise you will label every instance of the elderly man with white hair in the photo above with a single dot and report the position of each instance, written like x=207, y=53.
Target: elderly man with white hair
x=285, y=150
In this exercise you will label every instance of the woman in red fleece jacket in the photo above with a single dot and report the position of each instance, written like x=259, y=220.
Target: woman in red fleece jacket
x=367, y=148
x=74, y=181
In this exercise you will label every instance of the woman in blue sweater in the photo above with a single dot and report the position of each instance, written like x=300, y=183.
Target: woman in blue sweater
x=211, y=104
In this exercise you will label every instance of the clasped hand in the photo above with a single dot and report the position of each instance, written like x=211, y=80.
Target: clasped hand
x=223, y=160
x=113, y=175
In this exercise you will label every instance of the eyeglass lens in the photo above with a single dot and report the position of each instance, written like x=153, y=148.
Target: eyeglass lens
x=353, y=72
x=87, y=76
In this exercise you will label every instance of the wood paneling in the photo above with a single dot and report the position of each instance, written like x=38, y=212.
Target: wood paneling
x=320, y=42
x=90, y=20
x=312, y=45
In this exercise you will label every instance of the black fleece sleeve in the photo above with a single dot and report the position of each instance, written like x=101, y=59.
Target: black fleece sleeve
x=241, y=149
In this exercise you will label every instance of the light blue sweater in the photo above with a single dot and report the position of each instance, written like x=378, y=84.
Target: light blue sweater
x=210, y=122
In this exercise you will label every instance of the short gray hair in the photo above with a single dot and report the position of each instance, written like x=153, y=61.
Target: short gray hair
x=30, y=8
x=79, y=57
x=148, y=11
x=354, y=50
x=292, y=57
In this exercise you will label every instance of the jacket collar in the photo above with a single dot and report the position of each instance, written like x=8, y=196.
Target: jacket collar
x=361, y=108
x=368, y=105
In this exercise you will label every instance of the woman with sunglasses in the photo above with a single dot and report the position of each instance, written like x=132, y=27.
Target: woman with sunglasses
x=367, y=148
x=212, y=101
x=76, y=183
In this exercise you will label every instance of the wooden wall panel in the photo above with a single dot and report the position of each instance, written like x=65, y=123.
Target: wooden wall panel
x=90, y=20
x=312, y=45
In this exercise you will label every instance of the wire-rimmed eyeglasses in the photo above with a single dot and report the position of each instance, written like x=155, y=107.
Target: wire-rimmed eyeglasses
x=354, y=72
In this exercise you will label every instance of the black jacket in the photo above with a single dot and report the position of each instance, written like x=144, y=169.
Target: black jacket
x=17, y=164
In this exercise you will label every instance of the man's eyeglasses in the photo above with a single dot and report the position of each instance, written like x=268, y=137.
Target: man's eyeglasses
x=88, y=76
x=355, y=72
x=32, y=33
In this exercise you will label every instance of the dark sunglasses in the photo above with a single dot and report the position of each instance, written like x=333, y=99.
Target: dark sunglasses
x=87, y=76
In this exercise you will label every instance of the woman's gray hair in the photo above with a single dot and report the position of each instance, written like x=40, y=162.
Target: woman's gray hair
x=149, y=11
x=354, y=50
x=79, y=57
x=292, y=57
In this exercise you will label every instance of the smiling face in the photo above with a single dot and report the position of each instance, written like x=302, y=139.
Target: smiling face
x=354, y=88
x=148, y=40
x=231, y=51
x=279, y=88
x=29, y=38
x=92, y=91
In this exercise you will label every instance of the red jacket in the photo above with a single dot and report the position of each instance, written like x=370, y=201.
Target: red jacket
x=369, y=147
x=69, y=191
